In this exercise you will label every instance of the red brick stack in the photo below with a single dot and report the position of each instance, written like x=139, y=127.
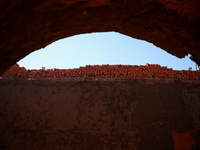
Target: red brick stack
x=147, y=71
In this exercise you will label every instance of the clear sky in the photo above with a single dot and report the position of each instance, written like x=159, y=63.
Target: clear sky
x=101, y=48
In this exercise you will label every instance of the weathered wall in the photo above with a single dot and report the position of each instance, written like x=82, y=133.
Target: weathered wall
x=147, y=71
x=99, y=113
x=26, y=26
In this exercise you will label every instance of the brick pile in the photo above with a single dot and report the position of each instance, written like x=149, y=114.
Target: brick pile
x=147, y=71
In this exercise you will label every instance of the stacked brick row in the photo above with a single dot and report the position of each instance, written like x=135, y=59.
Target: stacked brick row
x=147, y=71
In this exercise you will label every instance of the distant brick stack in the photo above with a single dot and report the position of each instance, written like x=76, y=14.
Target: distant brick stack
x=147, y=71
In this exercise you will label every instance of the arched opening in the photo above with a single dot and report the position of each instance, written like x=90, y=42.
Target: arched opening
x=28, y=26
x=102, y=48
x=137, y=114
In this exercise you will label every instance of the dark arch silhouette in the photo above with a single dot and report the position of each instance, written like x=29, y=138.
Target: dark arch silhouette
x=26, y=26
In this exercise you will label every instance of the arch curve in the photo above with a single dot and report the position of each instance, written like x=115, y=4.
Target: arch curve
x=30, y=25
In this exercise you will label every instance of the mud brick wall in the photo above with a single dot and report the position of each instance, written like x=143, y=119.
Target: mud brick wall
x=100, y=107
x=147, y=71
x=91, y=113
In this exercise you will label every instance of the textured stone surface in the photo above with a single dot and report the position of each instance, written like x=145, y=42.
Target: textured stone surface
x=26, y=26
x=133, y=71
x=99, y=113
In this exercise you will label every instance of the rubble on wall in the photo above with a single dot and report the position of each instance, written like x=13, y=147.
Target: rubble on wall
x=147, y=71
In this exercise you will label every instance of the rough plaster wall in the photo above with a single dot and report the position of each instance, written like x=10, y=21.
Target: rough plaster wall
x=97, y=113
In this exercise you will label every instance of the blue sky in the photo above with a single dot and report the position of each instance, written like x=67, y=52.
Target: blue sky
x=101, y=48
